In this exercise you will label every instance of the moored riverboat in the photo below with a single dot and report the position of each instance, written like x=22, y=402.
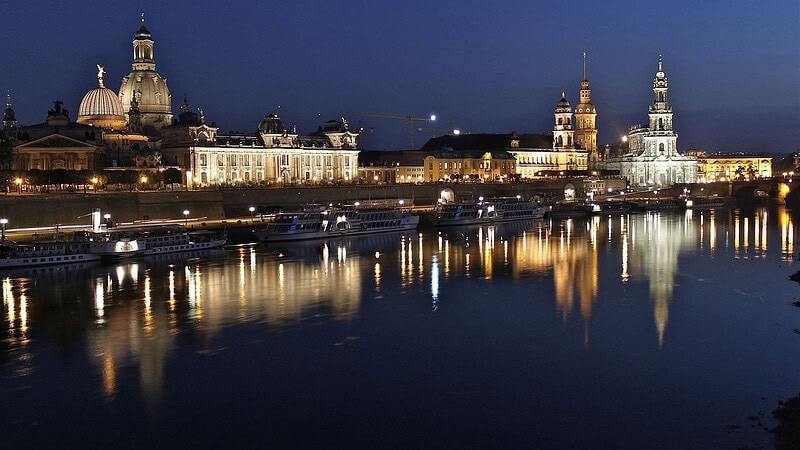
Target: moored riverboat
x=175, y=238
x=322, y=223
x=485, y=212
x=569, y=210
x=46, y=253
x=704, y=202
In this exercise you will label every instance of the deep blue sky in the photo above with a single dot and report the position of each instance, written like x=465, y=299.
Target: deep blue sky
x=733, y=66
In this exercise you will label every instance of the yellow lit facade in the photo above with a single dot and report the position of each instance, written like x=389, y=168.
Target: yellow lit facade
x=469, y=165
x=721, y=167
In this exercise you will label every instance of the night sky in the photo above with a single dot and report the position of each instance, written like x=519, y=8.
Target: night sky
x=481, y=66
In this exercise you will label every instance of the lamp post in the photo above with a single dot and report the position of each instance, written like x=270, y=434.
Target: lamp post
x=107, y=216
x=18, y=181
x=94, y=184
x=252, y=210
x=143, y=180
x=186, y=217
x=3, y=222
x=188, y=180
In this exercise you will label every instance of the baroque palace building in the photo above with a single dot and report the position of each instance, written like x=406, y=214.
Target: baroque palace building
x=652, y=158
x=135, y=128
x=712, y=167
x=272, y=155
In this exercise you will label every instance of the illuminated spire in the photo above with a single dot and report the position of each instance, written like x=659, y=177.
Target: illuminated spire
x=584, y=64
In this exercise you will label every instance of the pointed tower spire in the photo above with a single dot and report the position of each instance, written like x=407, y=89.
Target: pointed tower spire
x=660, y=69
x=584, y=64
x=185, y=104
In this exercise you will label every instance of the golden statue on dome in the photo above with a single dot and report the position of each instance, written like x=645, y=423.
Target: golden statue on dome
x=100, y=72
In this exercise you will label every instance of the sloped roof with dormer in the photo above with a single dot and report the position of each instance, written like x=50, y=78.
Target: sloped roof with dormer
x=489, y=141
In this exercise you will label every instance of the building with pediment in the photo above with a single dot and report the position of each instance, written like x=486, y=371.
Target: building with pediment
x=135, y=128
x=57, y=143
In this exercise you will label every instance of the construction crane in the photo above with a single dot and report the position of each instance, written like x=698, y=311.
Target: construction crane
x=435, y=131
x=409, y=118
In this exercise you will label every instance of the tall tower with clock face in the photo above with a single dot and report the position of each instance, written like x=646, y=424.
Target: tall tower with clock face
x=585, y=116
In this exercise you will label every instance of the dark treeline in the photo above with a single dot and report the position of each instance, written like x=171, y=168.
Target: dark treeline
x=70, y=180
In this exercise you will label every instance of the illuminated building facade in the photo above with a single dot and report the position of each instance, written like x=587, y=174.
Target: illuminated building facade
x=469, y=165
x=273, y=155
x=727, y=167
x=405, y=166
x=57, y=144
x=652, y=158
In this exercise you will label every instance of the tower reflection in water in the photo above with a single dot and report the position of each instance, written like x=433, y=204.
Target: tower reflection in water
x=137, y=310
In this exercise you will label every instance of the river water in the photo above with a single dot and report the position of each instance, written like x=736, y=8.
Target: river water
x=634, y=331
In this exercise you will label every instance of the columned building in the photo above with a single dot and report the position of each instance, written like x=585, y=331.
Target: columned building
x=58, y=144
x=712, y=167
x=585, y=121
x=652, y=158
x=145, y=86
x=273, y=155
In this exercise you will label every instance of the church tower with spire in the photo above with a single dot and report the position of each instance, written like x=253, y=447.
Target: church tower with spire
x=563, y=131
x=652, y=159
x=662, y=139
x=145, y=87
x=585, y=120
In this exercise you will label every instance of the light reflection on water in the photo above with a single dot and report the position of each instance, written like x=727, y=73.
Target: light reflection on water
x=139, y=309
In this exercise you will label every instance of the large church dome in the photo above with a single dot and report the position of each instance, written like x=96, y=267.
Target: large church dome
x=101, y=107
x=146, y=85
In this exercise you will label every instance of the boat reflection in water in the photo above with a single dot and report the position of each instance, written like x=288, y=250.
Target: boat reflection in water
x=142, y=312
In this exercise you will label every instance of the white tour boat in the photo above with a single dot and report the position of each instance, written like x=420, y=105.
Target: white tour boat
x=160, y=239
x=492, y=211
x=322, y=223
x=45, y=253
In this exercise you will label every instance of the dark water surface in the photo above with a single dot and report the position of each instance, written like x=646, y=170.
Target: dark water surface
x=640, y=331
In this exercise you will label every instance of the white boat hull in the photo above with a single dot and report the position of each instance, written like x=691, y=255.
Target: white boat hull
x=187, y=247
x=443, y=222
x=264, y=236
x=38, y=261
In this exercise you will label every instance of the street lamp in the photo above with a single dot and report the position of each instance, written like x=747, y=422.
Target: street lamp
x=19, y=185
x=186, y=217
x=3, y=222
x=107, y=216
x=252, y=210
x=143, y=180
x=188, y=179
